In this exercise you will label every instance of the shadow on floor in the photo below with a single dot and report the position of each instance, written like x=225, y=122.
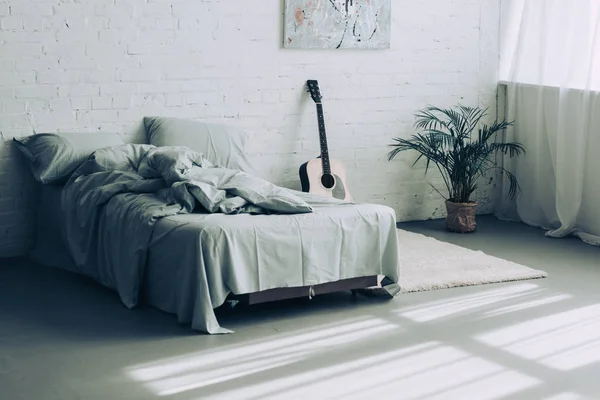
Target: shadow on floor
x=48, y=301
x=52, y=301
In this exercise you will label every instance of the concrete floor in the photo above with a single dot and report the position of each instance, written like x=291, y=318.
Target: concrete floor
x=64, y=337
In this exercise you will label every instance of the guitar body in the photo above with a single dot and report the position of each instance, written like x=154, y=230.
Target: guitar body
x=323, y=176
x=314, y=180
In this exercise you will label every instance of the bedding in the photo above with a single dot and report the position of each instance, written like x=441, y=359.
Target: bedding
x=199, y=259
x=52, y=157
x=196, y=232
x=221, y=144
x=49, y=247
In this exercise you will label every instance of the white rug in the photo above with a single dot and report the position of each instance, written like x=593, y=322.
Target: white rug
x=428, y=264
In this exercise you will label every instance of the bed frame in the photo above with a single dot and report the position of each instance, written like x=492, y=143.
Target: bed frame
x=352, y=284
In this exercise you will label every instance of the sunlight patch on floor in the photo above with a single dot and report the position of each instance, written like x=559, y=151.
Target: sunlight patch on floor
x=429, y=369
x=577, y=357
x=564, y=341
x=491, y=387
x=174, y=365
x=198, y=370
x=527, y=305
x=567, y=396
x=288, y=385
x=455, y=306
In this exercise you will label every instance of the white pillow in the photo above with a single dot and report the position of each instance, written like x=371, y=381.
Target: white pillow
x=221, y=144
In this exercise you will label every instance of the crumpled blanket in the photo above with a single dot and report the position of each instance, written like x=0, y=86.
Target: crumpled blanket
x=112, y=201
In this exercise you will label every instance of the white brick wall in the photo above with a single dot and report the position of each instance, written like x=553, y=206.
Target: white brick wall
x=101, y=65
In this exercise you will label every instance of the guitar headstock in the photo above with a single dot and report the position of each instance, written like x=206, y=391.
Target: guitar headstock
x=313, y=89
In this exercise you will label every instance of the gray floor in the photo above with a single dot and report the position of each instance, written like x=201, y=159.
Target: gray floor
x=64, y=337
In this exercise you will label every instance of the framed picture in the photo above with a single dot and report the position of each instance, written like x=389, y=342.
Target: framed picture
x=337, y=24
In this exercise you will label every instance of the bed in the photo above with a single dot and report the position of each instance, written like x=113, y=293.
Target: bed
x=189, y=263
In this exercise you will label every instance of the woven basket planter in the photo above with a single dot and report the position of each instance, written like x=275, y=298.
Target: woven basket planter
x=461, y=217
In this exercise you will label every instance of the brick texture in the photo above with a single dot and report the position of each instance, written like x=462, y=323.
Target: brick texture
x=102, y=65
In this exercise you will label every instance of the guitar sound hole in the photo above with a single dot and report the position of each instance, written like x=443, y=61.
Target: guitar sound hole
x=327, y=180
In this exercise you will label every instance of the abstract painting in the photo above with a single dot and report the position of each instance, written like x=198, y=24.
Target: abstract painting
x=337, y=24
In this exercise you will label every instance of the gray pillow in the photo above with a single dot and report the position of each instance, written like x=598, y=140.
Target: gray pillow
x=222, y=145
x=53, y=157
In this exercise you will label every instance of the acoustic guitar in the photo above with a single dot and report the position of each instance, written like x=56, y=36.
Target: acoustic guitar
x=323, y=176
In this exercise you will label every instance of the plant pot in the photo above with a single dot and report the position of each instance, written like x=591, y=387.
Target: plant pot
x=461, y=217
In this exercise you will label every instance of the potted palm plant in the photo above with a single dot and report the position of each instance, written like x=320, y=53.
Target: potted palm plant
x=447, y=140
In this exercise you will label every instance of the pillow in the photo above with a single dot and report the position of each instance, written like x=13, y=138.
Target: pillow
x=221, y=144
x=53, y=157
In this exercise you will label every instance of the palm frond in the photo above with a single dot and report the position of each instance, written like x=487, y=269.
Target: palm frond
x=455, y=119
x=514, y=186
x=418, y=142
x=438, y=192
x=444, y=138
x=513, y=149
x=473, y=115
x=426, y=120
x=487, y=132
x=426, y=146
x=444, y=174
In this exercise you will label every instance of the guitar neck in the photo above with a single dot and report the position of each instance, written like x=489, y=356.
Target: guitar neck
x=323, y=140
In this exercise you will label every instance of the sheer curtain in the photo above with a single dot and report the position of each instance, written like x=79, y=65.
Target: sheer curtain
x=550, y=64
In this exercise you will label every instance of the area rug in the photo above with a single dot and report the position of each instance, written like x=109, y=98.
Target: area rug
x=428, y=264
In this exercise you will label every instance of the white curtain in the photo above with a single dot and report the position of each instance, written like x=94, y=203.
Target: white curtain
x=550, y=64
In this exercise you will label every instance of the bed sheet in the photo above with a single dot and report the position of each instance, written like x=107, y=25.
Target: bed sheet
x=49, y=247
x=196, y=260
